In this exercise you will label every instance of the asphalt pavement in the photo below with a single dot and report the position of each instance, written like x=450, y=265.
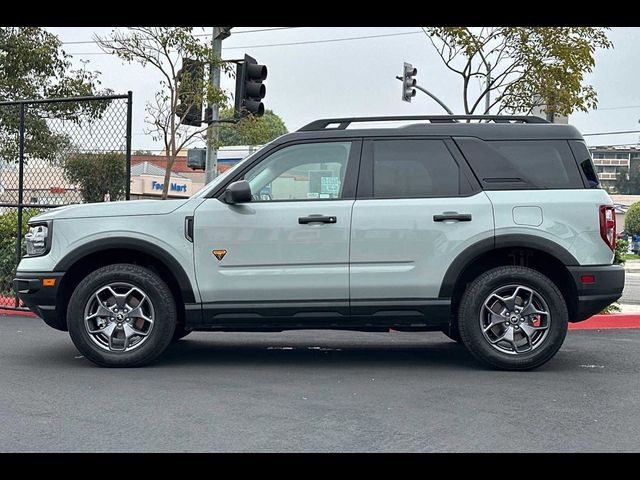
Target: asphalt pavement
x=316, y=391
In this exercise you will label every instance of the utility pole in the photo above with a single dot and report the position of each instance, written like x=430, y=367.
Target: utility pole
x=211, y=168
x=487, y=98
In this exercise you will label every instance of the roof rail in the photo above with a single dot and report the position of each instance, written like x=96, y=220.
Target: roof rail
x=343, y=123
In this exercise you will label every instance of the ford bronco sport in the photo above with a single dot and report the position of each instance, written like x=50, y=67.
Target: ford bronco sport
x=491, y=229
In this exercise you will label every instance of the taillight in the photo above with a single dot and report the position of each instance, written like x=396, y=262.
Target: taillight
x=608, y=225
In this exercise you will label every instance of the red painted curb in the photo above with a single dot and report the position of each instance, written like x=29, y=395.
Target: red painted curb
x=20, y=313
x=608, y=322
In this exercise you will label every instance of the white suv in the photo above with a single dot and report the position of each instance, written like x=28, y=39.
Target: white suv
x=495, y=232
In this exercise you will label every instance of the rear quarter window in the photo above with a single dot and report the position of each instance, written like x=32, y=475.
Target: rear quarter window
x=583, y=157
x=522, y=164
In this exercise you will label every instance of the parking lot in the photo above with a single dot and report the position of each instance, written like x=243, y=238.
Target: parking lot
x=316, y=391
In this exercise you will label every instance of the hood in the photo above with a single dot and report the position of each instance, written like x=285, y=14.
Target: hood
x=112, y=209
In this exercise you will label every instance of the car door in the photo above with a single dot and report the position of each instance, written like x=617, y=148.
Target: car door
x=418, y=207
x=283, y=257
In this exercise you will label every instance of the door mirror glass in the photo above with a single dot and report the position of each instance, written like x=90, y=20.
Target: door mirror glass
x=238, y=192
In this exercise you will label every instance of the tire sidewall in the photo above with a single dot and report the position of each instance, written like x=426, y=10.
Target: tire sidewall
x=473, y=301
x=159, y=295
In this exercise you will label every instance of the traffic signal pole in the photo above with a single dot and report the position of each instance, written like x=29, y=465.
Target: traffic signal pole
x=211, y=168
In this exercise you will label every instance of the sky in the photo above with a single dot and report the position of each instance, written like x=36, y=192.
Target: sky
x=356, y=77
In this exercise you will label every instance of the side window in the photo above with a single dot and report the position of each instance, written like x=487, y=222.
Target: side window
x=581, y=153
x=414, y=168
x=548, y=164
x=309, y=171
x=521, y=164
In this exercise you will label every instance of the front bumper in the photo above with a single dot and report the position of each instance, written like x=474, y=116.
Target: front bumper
x=41, y=299
x=594, y=297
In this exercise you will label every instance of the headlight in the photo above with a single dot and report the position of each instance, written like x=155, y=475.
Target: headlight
x=38, y=239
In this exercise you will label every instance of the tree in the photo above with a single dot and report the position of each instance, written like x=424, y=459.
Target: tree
x=622, y=181
x=628, y=180
x=143, y=152
x=632, y=219
x=165, y=49
x=98, y=174
x=33, y=65
x=522, y=67
x=250, y=130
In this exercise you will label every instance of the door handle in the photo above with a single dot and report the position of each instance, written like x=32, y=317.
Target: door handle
x=316, y=219
x=460, y=217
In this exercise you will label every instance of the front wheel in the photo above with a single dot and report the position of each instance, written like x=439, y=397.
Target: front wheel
x=513, y=318
x=122, y=315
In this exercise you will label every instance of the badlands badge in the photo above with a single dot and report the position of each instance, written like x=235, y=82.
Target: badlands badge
x=219, y=254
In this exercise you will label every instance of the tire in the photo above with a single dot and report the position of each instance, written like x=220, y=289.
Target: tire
x=530, y=344
x=104, y=292
x=179, y=333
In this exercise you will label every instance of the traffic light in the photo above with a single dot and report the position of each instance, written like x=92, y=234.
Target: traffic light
x=408, y=82
x=249, y=88
x=190, y=87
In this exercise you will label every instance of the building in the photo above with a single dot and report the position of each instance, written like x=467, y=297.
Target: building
x=147, y=169
x=147, y=182
x=44, y=184
x=608, y=161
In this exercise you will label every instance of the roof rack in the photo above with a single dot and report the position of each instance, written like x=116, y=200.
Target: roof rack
x=343, y=123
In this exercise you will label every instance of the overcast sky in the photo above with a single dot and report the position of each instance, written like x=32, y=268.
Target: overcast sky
x=357, y=77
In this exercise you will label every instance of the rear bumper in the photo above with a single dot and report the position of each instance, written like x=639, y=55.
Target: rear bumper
x=40, y=299
x=593, y=297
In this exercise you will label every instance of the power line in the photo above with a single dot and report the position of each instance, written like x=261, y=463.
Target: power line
x=87, y=42
x=609, y=133
x=344, y=39
x=628, y=107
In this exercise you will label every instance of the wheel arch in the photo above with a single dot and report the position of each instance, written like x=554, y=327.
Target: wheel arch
x=538, y=253
x=92, y=255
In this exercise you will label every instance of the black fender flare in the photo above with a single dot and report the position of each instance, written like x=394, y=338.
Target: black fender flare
x=127, y=243
x=471, y=253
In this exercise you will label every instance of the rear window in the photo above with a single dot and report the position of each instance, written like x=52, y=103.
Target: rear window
x=522, y=164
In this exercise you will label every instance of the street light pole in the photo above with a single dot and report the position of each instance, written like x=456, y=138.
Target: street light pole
x=440, y=102
x=211, y=168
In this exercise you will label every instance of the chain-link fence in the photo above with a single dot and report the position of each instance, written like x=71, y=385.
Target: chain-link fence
x=53, y=153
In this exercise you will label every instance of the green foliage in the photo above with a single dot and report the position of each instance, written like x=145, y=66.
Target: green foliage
x=613, y=308
x=632, y=219
x=143, y=152
x=527, y=66
x=8, y=229
x=98, y=174
x=32, y=66
x=628, y=180
x=620, y=256
x=250, y=130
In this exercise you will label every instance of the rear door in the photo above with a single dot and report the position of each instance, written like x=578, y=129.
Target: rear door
x=418, y=206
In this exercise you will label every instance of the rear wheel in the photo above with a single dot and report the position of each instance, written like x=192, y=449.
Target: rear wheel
x=122, y=316
x=513, y=318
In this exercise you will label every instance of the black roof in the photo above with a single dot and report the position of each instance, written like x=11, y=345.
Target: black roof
x=496, y=128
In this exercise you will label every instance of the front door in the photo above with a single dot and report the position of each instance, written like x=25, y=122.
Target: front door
x=284, y=256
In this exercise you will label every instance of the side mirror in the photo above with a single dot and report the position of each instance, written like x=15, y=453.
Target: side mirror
x=238, y=192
